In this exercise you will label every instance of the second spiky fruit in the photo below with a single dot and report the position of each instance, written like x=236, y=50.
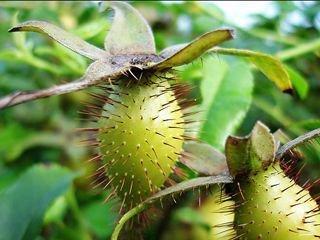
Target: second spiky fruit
x=270, y=205
x=141, y=132
x=218, y=212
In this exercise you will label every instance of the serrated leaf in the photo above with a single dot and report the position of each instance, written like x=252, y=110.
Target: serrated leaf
x=129, y=33
x=270, y=66
x=22, y=204
x=68, y=40
x=227, y=95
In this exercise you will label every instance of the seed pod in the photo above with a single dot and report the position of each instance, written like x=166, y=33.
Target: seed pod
x=218, y=211
x=269, y=203
x=139, y=137
x=273, y=206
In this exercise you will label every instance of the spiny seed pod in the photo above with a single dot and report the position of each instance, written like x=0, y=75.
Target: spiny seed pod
x=141, y=133
x=140, y=126
x=218, y=211
x=269, y=204
x=272, y=206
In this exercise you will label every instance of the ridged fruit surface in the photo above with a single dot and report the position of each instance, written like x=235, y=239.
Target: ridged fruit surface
x=140, y=135
x=272, y=206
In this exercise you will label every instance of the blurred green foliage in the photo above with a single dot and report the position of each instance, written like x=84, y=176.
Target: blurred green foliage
x=39, y=148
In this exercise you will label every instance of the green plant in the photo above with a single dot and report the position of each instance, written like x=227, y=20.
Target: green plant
x=269, y=203
x=263, y=199
x=130, y=70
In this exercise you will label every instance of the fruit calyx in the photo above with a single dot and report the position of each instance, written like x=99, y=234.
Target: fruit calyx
x=252, y=153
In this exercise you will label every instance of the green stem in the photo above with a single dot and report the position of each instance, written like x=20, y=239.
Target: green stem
x=183, y=186
x=299, y=50
x=134, y=211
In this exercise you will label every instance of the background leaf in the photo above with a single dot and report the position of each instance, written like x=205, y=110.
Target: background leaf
x=267, y=64
x=23, y=203
x=299, y=82
x=227, y=94
x=97, y=219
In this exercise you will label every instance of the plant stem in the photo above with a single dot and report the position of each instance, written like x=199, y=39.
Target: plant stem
x=298, y=141
x=183, y=186
x=299, y=50
x=134, y=211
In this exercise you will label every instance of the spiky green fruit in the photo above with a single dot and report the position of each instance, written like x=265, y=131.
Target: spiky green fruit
x=273, y=206
x=218, y=211
x=140, y=133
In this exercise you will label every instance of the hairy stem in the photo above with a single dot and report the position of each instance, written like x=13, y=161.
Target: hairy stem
x=25, y=96
x=180, y=187
x=134, y=211
x=297, y=141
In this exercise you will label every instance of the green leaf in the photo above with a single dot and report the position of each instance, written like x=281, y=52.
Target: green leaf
x=22, y=204
x=301, y=140
x=227, y=95
x=15, y=140
x=129, y=33
x=270, y=66
x=8, y=175
x=190, y=216
x=63, y=37
x=56, y=211
x=300, y=49
x=19, y=39
x=299, y=82
x=308, y=124
x=185, y=53
x=91, y=29
x=100, y=217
